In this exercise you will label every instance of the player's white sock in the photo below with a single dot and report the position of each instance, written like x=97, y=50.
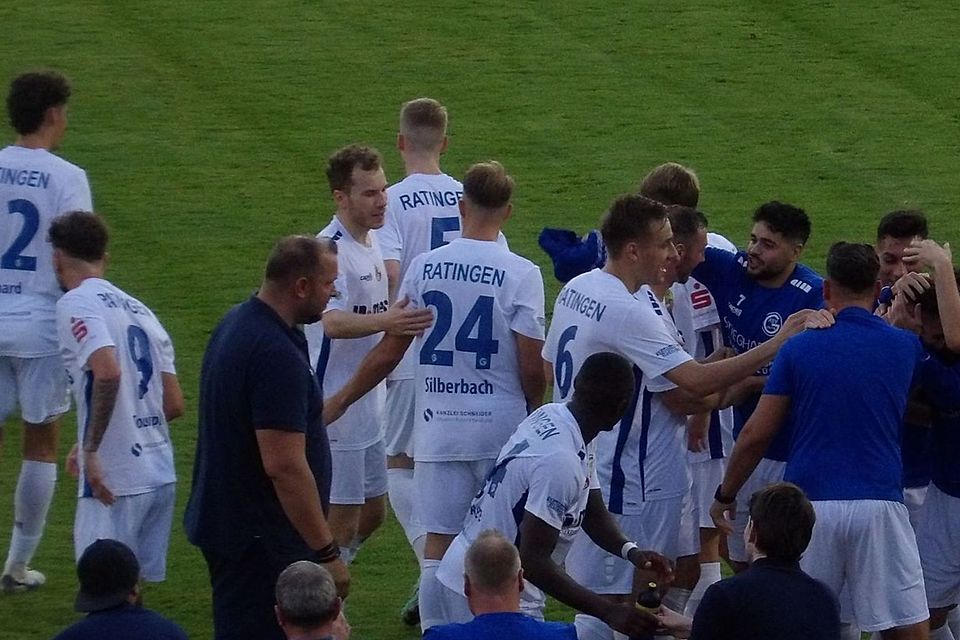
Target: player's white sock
x=943, y=633
x=346, y=554
x=709, y=574
x=400, y=492
x=30, y=505
x=419, y=544
x=431, y=595
x=590, y=628
x=953, y=621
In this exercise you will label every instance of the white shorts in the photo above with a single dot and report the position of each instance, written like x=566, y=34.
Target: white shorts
x=401, y=400
x=38, y=384
x=913, y=498
x=869, y=547
x=766, y=473
x=655, y=529
x=688, y=535
x=938, y=538
x=358, y=474
x=707, y=476
x=444, y=491
x=142, y=522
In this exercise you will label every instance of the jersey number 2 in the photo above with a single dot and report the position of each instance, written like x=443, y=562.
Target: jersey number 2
x=479, y=320
x=12, y=257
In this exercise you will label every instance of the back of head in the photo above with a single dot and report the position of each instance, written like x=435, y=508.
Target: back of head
x=423, y=124
x=492, y=564
x=631, y=218
x=605, y=384
x=853, y=267
x=487, y=186
x=789, y=221
x=685, y=222
x=306, y=595
x=783, y=520
x=81, y=235
x=672, y=183
x=903, y=225
x=295, y=257
x=108, y=572
x=31, y=94
x=341, y=164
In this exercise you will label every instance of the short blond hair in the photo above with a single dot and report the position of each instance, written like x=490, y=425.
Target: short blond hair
x=488, y=186
x=672, y=183
x=423, y=124
x=492, y=563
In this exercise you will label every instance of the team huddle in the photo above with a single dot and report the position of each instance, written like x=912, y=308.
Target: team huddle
x=403, y=354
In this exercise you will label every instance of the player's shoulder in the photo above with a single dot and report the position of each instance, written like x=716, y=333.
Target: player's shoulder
x=806, y=280
x=41, y=159
x=333, y=230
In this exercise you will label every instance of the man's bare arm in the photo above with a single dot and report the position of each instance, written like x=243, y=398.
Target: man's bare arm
x=103, y=364
x=532, y=378
x=173, y=404
x=397, y=319
x=380, y=361
x=392, y=267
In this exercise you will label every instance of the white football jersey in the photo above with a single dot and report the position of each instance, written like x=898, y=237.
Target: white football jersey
x=361, y=287
x=696, y=316
x=136, y=452
x=36, y=186
x=644, y=457
x=469, y=398
x=544, y=469
x=422, y=214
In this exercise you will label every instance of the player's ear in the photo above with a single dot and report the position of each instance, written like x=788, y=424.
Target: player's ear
x=466, y=586
x=520, y=579
x=443, y=145
x=797, y=251
x=828, y=290
x=508, y=212
x=876, y=290
x=401, y=142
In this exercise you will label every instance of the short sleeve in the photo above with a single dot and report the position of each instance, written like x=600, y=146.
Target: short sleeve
x=554, y=488
x=76, y=194
x=338, y=301
x=716, y=264
x=528, y=317
x=81, y=329
x=388, y=236
x=165, y=347
x=410, y=287
x=649, y=345
x=280, y=381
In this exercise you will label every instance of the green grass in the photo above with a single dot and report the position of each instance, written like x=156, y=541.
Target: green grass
x=204, y=128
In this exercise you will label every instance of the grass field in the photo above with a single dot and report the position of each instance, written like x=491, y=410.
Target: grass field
x=204, y=128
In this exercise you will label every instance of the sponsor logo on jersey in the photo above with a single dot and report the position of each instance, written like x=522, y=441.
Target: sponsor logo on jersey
x=144, y=422
x=557, y=507
x=136, y=449
x=78, y=328
x=427, y=415
x=668, y=350
x=772, y=323
x=806, y=287
x=700, y=297
x=12, y=288
x=436, y=384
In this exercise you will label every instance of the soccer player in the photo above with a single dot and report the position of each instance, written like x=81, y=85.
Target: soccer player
x=479, y=369
x=846, y=405
x=423, y=213
x=940, y=259
x=350, y=326
x=755, y=290
x=895, y=232
x=120, y=361
x=598, y=311
x=543, y=490
x=35, y=187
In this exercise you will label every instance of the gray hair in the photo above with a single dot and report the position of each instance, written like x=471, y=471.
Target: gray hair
x=307, y=595
x=492, y=563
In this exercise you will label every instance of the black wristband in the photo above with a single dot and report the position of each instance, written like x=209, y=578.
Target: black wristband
x=327, y=554
x=722, y=499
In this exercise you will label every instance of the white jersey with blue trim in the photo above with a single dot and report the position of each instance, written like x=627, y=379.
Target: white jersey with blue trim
x=544, y=469
x=644, y=457
x=469, y=395
x=136, y=453
x=36, y=186
x=423, y=214
x=361, y=287
x=698, y=320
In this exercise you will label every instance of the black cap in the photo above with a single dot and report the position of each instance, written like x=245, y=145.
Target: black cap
x=108, y=573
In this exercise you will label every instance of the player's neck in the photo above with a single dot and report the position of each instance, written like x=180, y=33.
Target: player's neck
x=425, y=163
x=358, y=232
x=37, y=140
x=588, y=428
x=73, y=278
x=623, y=273
x=278, y=302
x=481, y=604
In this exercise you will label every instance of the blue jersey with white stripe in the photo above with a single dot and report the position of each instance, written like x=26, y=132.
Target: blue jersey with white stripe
x=751, y=314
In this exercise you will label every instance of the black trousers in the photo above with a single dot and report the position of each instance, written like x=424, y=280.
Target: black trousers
x=243, y=590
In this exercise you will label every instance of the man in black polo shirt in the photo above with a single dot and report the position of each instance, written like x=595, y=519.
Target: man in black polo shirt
x=261, y=477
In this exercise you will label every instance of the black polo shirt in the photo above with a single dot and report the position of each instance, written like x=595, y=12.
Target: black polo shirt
x=256, y=374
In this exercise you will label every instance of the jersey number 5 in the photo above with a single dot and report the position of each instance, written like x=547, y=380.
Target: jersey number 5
x=479, y=321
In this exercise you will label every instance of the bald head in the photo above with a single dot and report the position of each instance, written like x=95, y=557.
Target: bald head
x=492, y=564
x=307, y=595
x=296, y=257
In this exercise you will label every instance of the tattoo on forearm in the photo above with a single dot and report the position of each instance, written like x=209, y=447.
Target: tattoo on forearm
x=102, y=401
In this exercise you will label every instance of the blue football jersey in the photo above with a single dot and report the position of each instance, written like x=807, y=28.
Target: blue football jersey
x=751, y=314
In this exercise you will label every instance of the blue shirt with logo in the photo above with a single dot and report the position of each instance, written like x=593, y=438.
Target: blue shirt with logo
x=751, y=314
x=848, y=404
x=939, y=377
